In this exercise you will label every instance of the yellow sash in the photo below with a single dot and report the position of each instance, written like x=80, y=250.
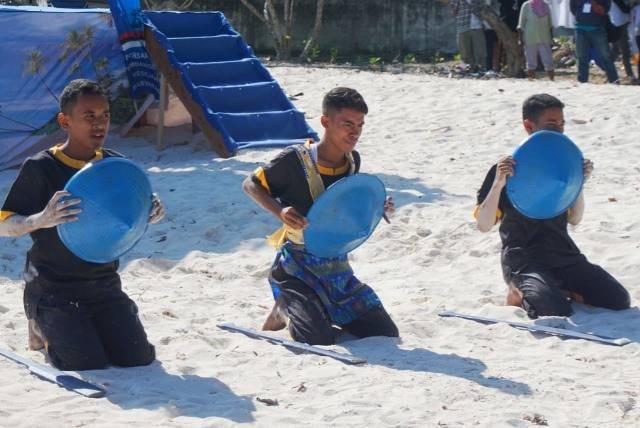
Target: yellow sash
x=316, y=188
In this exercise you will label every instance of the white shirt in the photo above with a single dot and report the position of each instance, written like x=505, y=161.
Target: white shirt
x=475, y=22
x=618, y=17
x=635, y=19
x=561, y=15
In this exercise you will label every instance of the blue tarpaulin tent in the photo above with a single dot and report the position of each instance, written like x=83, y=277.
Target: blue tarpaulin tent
x=42, y=50
x=230, y=95
x=69, y=4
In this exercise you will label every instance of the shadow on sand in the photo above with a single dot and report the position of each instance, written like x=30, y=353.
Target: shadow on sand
x=152, y=388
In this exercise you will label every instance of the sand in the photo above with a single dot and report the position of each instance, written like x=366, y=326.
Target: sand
x=431, y=140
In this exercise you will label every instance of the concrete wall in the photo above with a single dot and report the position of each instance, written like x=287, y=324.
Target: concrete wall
x=380, y=27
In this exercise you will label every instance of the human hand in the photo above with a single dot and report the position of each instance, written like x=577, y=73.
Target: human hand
x=504, y=169
x=293, y=218
x=157, y=210
x=587, y=168
x=389, y=208
x=58, y=211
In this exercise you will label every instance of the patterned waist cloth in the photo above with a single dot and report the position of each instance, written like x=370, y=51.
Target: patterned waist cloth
x=343, y=296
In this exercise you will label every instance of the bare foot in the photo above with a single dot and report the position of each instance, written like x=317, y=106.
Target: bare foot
x=576, y=297
x=36, y=341
x=514, y=297
x=277, y=319
x=573, y=296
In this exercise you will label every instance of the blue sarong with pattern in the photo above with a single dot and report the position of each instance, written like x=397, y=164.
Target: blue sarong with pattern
x=343, y=296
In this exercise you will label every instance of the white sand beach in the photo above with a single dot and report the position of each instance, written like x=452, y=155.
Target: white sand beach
x=431, y=140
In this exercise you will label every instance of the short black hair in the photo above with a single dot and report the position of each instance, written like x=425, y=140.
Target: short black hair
x=339, y=98
x=75, y=89
x=533, y=106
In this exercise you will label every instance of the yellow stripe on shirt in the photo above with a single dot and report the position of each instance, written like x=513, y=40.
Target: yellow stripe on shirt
x=5, y=215
x=477, y=208
x=259, y=174
x=57, y=152
x=326, y=170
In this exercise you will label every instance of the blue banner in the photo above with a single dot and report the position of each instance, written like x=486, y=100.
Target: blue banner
x=143, y=76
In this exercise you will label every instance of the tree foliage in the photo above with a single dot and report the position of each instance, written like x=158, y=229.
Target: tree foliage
x=280, y=26
x=168, y=4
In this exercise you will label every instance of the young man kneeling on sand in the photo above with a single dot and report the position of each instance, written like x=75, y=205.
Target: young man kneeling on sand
x=316, y=293
x=541, y=264
x=76, y=309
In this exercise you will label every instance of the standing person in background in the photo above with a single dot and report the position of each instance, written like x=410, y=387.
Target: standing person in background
x=509, y=12
x=478, y=43
x=536, y=34
x=635, y=25
x=470, y=36
x=591, y=22
x=619, y=16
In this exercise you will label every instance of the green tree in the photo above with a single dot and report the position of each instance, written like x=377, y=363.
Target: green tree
x=281, y=26
x=168, y=4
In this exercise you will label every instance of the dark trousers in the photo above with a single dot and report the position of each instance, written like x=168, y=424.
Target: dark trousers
x=596, y=39
x=491, y=39
x=90, y=335
x=621, y=46
x=542, y=289
x=310, y=323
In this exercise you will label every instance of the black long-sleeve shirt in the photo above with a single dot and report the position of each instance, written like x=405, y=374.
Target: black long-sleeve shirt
x=596, y=15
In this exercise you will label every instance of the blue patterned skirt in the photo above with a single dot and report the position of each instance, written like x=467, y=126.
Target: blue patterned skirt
x=343, y=296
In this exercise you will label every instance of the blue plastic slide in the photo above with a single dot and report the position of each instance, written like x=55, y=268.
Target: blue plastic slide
x=228, y=92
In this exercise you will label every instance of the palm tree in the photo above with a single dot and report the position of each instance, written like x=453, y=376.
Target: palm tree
x=107, y=19
x=75, y=43
x=34, y=66
x=80, y=42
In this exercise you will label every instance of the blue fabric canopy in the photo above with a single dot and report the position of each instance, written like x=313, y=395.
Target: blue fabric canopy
x=45, y=48
x=42, y=50
x=69, y=4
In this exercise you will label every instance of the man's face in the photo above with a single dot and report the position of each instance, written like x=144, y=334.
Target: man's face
x=551, y=119
x=88, y=122
x=343, y=128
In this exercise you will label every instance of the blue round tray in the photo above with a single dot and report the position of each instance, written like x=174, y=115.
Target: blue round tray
x=548, y=175
x=116, y=202
x=345, y=215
